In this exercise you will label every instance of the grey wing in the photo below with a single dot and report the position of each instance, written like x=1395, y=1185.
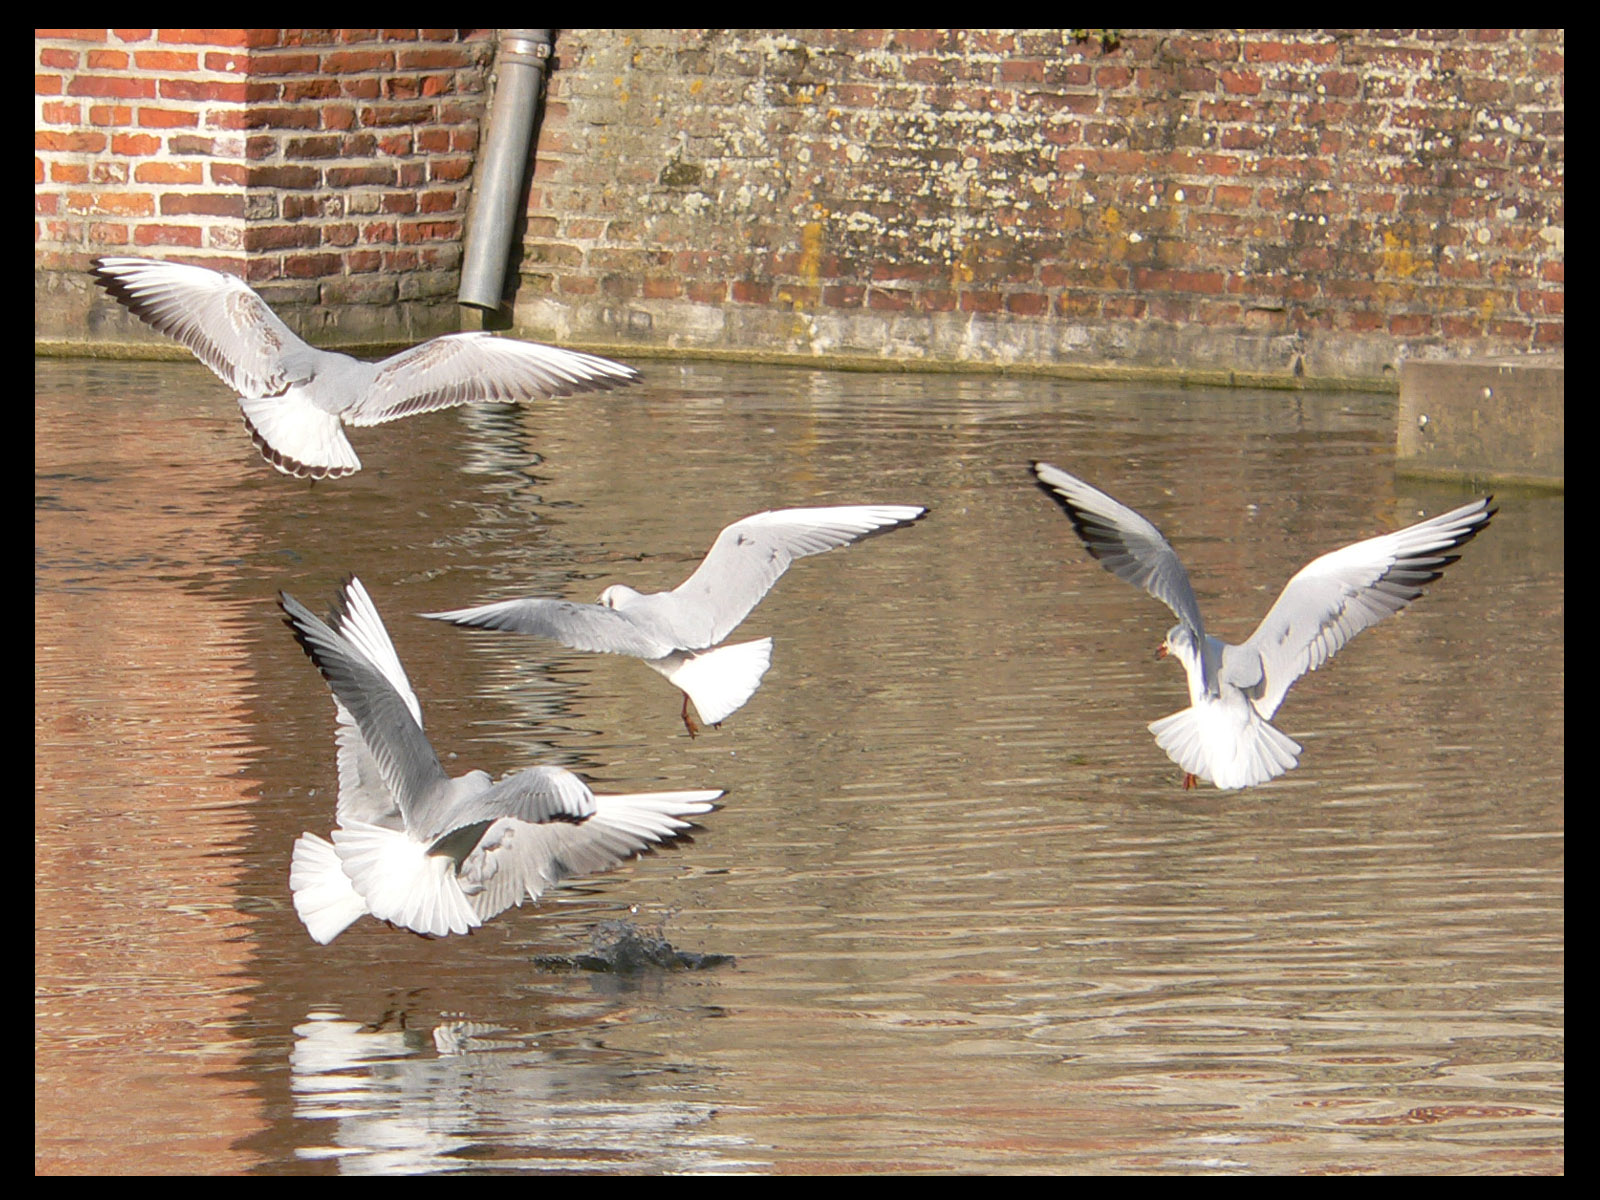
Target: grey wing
x=1335, y=597
x=593, y=627
x=520, y=859
x=392, y=736
x=217, y=316
x=1126, y=544
x=363, y=794
x=535, y=796
x=471, y=368
x=749, y=556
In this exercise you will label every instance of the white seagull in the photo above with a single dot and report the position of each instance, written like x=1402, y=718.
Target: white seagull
x=421, y=850
x=1224, y=736
x=294, y=396
x=674, y=631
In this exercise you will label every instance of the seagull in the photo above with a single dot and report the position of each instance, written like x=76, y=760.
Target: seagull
x=1224, y=736
x=294, y=396
x=674, y=631
x=424, y=851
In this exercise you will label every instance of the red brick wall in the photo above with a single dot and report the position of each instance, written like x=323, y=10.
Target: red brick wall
x=330, y=167
x=1321, y=203
x=1314, y=204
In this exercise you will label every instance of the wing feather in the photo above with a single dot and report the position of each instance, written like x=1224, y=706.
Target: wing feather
x=750, y=556
x=471, y=368
x=1126, y=543
x=217, y=316
x=1335, y=597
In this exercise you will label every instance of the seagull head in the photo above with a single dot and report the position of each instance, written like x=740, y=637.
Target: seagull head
x=618, y=595
x=1181, y=645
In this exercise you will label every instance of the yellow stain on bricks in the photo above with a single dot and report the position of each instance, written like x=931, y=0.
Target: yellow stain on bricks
x=810, y=265
x=961, y=271
x=809, y=268
x=1398, y=257
x=805, y=93
x=1104, y=232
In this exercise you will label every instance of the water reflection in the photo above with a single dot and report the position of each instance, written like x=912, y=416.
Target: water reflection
x=475, y=1096
x=976, y=925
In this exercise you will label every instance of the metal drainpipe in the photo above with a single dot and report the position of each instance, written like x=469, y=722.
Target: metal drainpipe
x=497, y=189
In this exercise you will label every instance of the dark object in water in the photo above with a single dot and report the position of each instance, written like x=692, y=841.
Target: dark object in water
x=622, y=948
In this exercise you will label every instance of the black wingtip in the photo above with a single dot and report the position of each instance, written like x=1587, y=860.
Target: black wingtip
x=114, y=285
x=295, y=614
x=341, y=601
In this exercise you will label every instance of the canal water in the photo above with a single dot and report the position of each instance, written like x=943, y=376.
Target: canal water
x=955, y=914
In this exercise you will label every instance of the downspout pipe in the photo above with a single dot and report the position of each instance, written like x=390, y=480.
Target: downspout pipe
x=497, y=189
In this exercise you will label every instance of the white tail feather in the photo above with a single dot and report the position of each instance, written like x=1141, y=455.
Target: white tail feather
x=326, y=900
x=297, y=437
x=719, y=681
x=1212, y=742
x=401, y=882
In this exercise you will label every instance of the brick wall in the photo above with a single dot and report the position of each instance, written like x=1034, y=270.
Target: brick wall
x=1316, y=203
x=331, y=168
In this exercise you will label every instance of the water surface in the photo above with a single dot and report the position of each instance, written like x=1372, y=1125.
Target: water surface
x=975, y=923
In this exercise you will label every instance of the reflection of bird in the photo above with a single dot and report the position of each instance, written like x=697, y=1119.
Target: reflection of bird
x=1224, y=735
x=427, y=852
x=294, y=396
x=674, y=631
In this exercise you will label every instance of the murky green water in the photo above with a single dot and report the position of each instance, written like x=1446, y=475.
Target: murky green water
x=976, y=925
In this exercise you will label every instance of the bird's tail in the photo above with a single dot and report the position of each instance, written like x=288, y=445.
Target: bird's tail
x=297, y=437
x=323, y=896
x=720, y=681
x=1229, y=746
x=401, y=882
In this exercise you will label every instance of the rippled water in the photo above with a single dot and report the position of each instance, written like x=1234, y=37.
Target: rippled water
x=975, y=923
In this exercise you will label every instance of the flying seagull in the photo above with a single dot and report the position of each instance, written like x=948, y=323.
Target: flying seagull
x=421, y=850
x=674, y=631
x=294, y=396
x=1224, y=736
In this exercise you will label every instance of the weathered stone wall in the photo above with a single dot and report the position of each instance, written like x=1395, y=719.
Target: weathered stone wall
x=1314, y=204
x=329, y=167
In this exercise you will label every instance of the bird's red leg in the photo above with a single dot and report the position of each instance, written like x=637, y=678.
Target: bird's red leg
x=688, y=721
x=1189, y=781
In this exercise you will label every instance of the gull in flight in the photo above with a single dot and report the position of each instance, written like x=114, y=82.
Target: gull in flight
x=1224, y=735
x=421, y=850
x=294, y=396
x=674, y=631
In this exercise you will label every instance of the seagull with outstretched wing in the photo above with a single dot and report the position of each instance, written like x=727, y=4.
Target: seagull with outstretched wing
x=1225, y=735
x=674, y=632
x=296, y=398
x=424, y=851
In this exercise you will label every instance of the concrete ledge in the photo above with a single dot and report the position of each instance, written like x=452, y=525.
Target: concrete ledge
x=70, y=311
x=1489, y=419
x=1176, y=376
x=866, y=339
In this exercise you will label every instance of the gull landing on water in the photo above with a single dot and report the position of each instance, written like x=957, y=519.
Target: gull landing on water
x=421, y=850
x=674, y=631
x=1224, y=736
x=294, y=396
